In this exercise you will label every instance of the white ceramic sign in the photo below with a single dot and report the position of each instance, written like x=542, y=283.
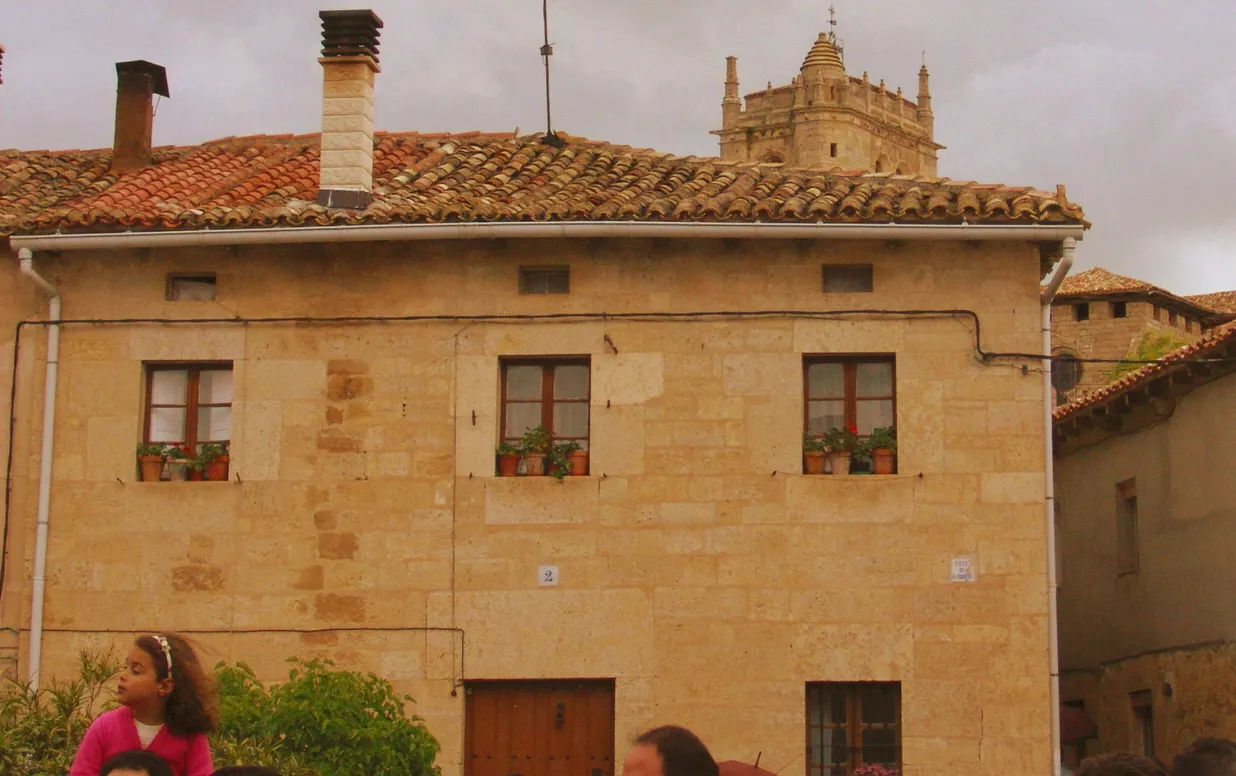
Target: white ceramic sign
x=547, y=576
x=964, y=570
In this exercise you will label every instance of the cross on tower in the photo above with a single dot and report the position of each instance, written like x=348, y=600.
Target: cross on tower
x=832, y=20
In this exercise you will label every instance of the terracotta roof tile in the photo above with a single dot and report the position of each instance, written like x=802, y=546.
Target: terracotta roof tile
x=1215, y=340
x=1219, y=301
x=267, y=180
x=1099, y=281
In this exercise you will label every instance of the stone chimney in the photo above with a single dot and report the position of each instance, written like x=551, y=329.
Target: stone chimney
x=136, y=84
x=731, y=106
x=1, y=64
x=349, y=63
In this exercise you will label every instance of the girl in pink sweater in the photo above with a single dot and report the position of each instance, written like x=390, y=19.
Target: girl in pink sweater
x=167, y=706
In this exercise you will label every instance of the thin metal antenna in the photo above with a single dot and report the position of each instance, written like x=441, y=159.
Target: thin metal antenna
x=838, y=43
x=547, y=51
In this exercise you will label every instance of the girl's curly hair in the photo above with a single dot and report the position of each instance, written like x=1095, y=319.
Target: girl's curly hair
x=193, y=705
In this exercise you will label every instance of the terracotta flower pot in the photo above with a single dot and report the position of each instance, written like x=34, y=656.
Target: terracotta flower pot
x=840, y=463
x=579, y=462
x=217, y=470
x=814, y=462
x=152, y=467
x=508, y=465
x=883, y=460
x=534, y=464
x=195, y=475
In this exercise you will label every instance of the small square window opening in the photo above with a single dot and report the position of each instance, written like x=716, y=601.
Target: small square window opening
x=545, y=280
x=1120, y=309
x=191, y=288
x=1081, y=312
x=848, y=280
x=1126, y=528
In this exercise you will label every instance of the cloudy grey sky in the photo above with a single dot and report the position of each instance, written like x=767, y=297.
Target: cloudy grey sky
x=1130, y=103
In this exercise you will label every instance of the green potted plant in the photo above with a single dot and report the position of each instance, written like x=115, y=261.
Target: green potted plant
x=508, y=459
x=813, y=453
x=565, y=459
x=215, y=460
x=881, y=447
x=840, y=445
x=179, y=463
x=535, y=446
x=150, y=458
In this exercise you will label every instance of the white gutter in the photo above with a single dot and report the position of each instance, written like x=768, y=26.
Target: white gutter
x=26, y=259
x=1049, y=495
x=544, y=230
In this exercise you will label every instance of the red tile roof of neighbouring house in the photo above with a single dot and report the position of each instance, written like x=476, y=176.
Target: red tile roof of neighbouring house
x=272, y=180
x=1219, y=301
x=1219, y=339
x=1098, y=282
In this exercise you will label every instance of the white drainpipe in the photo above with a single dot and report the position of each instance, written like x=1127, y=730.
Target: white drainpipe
x=26, y=258
x=1049, y=493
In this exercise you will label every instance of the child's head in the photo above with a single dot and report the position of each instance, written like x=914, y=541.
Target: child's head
x=136, y=762
x=164, y=669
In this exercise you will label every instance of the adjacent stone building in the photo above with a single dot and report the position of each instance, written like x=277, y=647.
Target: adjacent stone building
x=685, y=320
x=826, y=118
x=1106, y=317
x=1146, y=508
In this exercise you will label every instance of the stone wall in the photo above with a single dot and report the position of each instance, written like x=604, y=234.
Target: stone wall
x=698, y=568
x=1104, y=336
x=1193, y=691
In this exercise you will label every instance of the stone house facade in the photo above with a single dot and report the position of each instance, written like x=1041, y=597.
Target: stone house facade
x=1145, y=507
x=688, y=320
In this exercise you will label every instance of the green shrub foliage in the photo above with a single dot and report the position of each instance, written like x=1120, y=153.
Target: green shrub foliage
x=320, y=722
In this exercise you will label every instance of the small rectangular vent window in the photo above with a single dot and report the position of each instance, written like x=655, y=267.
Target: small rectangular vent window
x=1081, y=312
x=545, y=280
x=191, y=288
x=848, y=280
x=1120, y=309
x=832, y=150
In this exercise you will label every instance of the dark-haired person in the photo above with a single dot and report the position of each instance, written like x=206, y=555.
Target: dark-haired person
x=167, y=706
x=1207, y=757
x=1120, y=764
x=669, y=751
x=136, y=763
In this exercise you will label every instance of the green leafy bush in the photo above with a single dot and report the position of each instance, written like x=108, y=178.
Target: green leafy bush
x=336, y=723
x=320, y=722
x=40, y=731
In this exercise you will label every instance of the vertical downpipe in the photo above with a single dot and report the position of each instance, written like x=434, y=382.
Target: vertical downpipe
x=1049, y=492
x=26, y=258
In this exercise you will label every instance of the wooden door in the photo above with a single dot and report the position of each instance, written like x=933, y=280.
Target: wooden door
x=539, y=728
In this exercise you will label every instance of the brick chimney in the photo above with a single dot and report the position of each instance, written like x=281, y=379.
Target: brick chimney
x=349, y=63
x=136, y=84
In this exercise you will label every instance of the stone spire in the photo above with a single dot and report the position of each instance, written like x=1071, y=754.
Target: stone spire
x=925, y=115
x=731, y=106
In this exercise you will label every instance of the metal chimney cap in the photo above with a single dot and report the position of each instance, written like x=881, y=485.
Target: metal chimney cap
x=157, y=73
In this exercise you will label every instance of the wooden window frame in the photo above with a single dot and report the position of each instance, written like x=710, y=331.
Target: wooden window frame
x=547, y=399
x=850, y=362
x=194, y=369
x=854, y=725
x=1126, y=493
x=870, y=268
x=199, y=276
x=526, y=272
